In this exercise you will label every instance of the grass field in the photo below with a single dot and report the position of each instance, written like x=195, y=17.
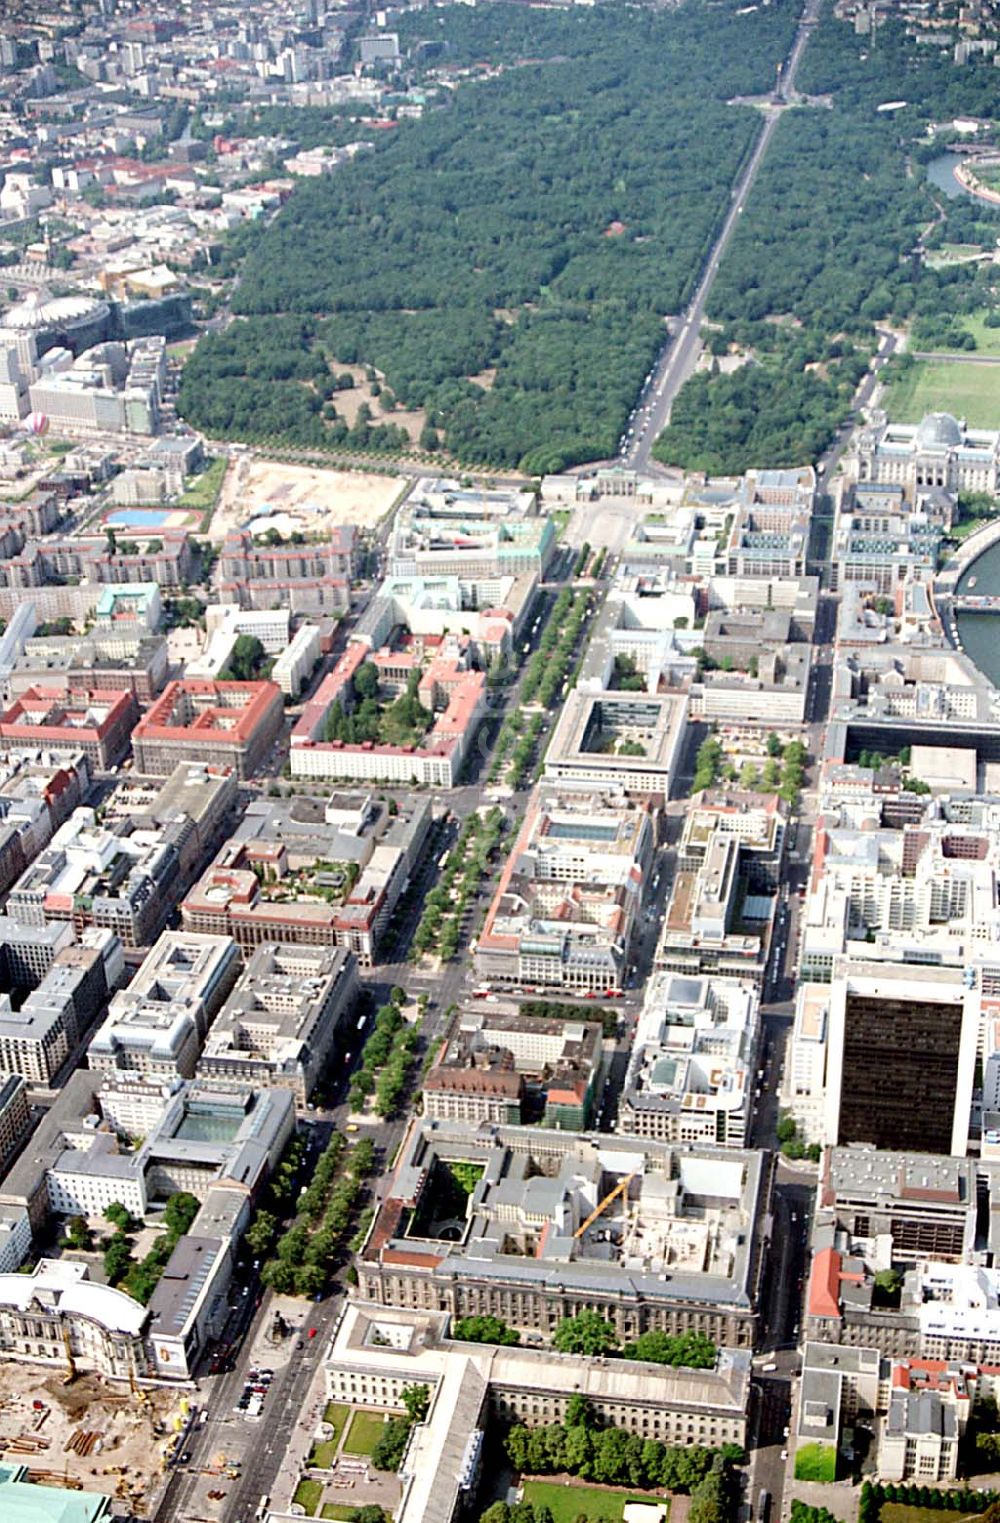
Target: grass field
x=901, y=1512
x=953, y=253
x=308, y=1493
x=987, y=339
x=566, y=1503
x=364, y=1432
x=203, y=493
x=968, y=391
x=339, y=1513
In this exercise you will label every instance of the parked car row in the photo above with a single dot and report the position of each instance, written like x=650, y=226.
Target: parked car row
x=251, y=1402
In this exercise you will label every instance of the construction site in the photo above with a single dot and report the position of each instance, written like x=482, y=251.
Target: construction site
x=86, y=1433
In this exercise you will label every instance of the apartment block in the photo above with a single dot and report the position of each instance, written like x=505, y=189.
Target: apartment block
x=448, y=687
x=131, y=660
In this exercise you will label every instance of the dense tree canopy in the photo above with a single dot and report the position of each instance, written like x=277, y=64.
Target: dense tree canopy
x=828, y=246
x=538, y=225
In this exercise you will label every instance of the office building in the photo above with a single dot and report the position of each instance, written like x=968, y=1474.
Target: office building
x=618, y=740
x=285, y=1019
x=769, y=533
x=650, y=1236
x=839, y=1385
x=68, y=987
x=723, y=901
x=159, y=1023
x=37, y=793
x=15, y=1116
x=923, y=1428
x=88, y=875
x=99, y=722
x=311, y=872
x=233, y=724
x=295, y=664
x=691, y=1071
x=499, y=1066
x=569, y=894
x=378, y=1352
x=884, y=536
x=444, y=529
x=901, y=1057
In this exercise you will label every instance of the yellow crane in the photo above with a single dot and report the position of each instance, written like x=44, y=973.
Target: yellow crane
x=621, y=1186
x=70, y=1361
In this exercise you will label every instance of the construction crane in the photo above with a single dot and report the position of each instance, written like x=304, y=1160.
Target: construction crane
x=70, y=1361
x=134, y=1385
x=621, y=1186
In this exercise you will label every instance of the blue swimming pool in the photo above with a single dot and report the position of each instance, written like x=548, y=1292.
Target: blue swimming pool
x=138, y=518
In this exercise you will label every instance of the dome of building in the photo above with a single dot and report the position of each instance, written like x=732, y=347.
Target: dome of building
x=37, y=312
x=939, y=430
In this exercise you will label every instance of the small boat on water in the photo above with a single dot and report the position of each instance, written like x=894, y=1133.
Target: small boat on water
x=972, y=582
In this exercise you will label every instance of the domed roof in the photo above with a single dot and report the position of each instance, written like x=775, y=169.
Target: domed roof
x=37, y=312
x=939, y=430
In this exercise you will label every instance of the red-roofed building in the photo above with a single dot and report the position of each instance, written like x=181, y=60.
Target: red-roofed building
x=231, y=724
x=96, y=721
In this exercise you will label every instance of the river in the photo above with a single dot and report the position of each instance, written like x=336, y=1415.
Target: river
x=979, y=632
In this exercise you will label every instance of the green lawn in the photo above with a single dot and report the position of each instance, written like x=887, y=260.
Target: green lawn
x=816, y=1462
x=336, y=1415
x=308, y=1493
x=987, y=339
x=364, y=1432
x=337, y=1512
x=566, y=1503
x=968, y=391
x=204, y=490
x=323, y=1453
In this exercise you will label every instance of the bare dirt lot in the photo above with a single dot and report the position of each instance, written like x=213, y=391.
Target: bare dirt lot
x=321, y=499
x=117, y=1437
x=348, y=403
